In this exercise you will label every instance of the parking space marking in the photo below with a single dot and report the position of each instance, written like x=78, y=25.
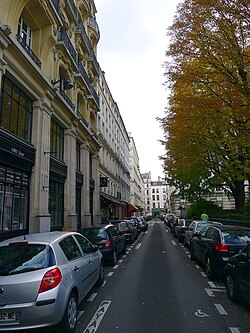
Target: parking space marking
x=174, y=242
x=120, y=261
x=234, y=330
x=97, y=318
x=166, y=230
x=92, y=297
x=203, y=274
x=79, y=314
x=212, y=285
x=209, y=292
x=221, y=310
x=110, y=274
x=116, y=266
x=138, y=246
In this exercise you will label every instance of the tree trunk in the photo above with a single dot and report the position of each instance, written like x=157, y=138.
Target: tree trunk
x=238, y=190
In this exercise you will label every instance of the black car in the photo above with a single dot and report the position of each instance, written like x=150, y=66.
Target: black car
x=110, y=241
x=135, y=222
x=169, y=218
x=127, y=228
x=237, y=276
x=214, y=245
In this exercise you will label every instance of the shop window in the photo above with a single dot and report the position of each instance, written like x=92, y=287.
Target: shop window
x=56, y=140
x=15, y=110
x=14, y=194
x=56, y=206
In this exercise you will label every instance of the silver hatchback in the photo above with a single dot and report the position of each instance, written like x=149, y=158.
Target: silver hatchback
x=43, y=278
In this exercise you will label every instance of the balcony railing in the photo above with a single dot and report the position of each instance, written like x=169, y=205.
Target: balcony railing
x=93, y=24
x=94, y=94
x=81, y=28
x=56, y=4
x=67, y=99
x=84, y=74
x=26, y=47
x=92, y=58
x=63, y=37
x=73, y=7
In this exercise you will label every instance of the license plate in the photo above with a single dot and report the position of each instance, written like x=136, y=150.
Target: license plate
x=9, y=316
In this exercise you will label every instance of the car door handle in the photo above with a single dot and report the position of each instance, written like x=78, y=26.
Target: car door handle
x=76, y=269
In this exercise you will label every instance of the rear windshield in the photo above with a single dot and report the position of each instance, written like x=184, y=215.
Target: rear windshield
x=236, y=236
x=15, y=259
x=97, y=234
x=122, y=226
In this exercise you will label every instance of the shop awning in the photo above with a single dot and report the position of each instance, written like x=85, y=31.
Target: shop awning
x=132, y=208
x=110, y=199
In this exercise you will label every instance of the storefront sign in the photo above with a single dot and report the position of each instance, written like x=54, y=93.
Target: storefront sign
x=17, y=151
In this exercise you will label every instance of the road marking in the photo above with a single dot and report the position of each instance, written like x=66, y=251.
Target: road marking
x=124, y=256
x=116, y=266
x=166, y=230
x=110, y=274
x=120, y=261
x=209, y=292
x=234, y=330
x=97, y=318
x=221, y=310
x=203, y=274
x=92, y=297
x=79, y=314
x=104, y=282
x=200, y=313
x=198, y=267
x=189, y=256
x=174, y=242
x=138, y=246
x=212, y=285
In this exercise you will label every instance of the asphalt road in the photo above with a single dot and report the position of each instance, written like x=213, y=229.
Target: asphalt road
x=155, y=288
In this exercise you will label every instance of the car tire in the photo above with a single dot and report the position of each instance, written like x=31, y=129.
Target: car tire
x=100, y=280
x=232, y=287
x=69, y=321
x=209, y=268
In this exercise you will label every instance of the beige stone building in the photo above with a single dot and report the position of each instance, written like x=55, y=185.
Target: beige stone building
x=49, y=147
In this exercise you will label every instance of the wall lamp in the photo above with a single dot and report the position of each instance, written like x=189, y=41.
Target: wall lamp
x=64, y=84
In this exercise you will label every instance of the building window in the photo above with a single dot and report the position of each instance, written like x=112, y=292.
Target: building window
x=15, y=110
x=56, y=206
x=153, y=197
x=153, y=190
x=25, y=32
x=14, y=195
x=78, y=156
x=56, y=140
x=157, y=190
x=158, y=197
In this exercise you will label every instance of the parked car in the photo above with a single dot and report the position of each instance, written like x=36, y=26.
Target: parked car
x=194, y=228
x=44, y=277
x=143, y=223
x=214, y=245
x=180, y=228
x=135, y=221
x=169, y=218
x=110, y=241
x=127, y=228
x=237, y=276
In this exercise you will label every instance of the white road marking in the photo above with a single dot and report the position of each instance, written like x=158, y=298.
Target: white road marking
x=221, y=310
x=110, y=274
x=174, y=242
x=97, y=318
x=198, y=267
x=209, y=292
x=124, y=256
x=116, y=266
x=104, y=282
x=234, y=330
x=92, y=297
x=203, y=274
x=167, y=230
x=79, y=314
x=200, y=313
x=189, y=256
x=120, y=261
x=138, y=246
x=212, y=285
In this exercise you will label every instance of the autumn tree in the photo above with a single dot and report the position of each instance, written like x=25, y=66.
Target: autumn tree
x=207, y=123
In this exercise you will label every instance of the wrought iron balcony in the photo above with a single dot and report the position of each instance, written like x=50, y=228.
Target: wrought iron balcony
x=81, y=29
x=84, y=75
x=56, y=4
x=67, y=99
x=26, y=47
x=93, y=24
x=73, y=7
x=93, y=59
x=94, y=95
x=63, y=37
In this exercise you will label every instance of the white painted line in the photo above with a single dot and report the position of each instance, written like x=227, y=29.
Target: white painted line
x=124, y=256
x=174, y=242
x=120, y=261
x=146, y=232
x=234, y=330
x=209, y=292
x=221, y=310
x=186, y=252
x=189, y=256
x=110, y=274
x=212, y=285
x=79, y=314
x=92, y=297
x=138, y=246
x=104, y=282
x=219, y=290
x=116, y=266
x=97, y=318
x=197, y=267
x=166, y=230
x=203, y=274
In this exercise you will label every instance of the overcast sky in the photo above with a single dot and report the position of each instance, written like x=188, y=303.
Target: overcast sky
x=131, y=52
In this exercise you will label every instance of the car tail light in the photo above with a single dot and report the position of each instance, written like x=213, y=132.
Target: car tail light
x=107, y=244
x=127, y=230
x=50, y=280
x=221, y=247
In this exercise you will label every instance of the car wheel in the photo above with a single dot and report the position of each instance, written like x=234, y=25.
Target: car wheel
x=68, y=323
x=100, y=280
x=114, y=258
x=209, y=268
x=232, y=287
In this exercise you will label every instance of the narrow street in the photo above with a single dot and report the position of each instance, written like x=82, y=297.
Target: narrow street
x=156, y=288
